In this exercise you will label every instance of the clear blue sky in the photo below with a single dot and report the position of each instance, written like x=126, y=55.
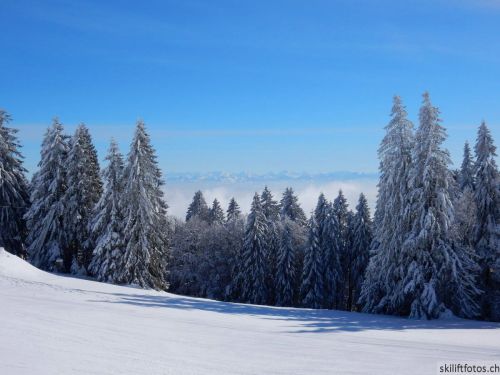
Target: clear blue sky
x=249, y=85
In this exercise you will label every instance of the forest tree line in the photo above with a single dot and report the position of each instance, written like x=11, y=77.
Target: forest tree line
x=431, y=249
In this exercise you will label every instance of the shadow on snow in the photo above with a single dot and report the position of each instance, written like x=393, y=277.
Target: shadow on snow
x=309, y=320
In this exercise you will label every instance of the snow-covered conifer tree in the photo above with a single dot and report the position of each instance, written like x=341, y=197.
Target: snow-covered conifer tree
x=392, y=220
x=428, y=264
x=466, y=175
x=84, y=189
x=487, y=236
x=325, y=227
x=311, y=290
x=198, y=208
x=340, y=239
x=144, y=215
x=233, y=210
x=270, y=208
x=254, y=256
x=290, y=208
x=362, y=239
x=216, y=214
x=285, y=267
x=14, y=196
x=46, y=240
x=106, y=225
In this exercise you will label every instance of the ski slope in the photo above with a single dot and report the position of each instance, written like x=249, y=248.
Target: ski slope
x=51, y=324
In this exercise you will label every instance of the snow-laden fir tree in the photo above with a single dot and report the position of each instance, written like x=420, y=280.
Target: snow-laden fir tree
x=198, y=208
x=466, y=175
x=428, y=265
x=340, y=238
x=106, y=226
x=327, y=226
x=285, y=267
x=46, y=241
x=290, y=208
x=144, y=215
x=14, y=196
x=487, y=236
x=84, y=189
x=311, y=289
x=270, y=208
x=233, y=210
x=362, y=239
x=216, y=214
x=392, y=220
x=254, y=269
x=330, y=252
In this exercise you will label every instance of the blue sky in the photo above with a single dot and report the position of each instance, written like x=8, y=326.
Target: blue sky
x=253, y=86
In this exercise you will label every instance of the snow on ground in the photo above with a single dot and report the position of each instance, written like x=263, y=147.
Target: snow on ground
x=51, y=324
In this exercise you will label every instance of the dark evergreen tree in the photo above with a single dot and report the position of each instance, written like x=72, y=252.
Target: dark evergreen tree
x=254, y=257
x=46, y=241
x=362, y=239
x=290, y=208
x=341, y=246
x=285, y=268
x=270, y=208
x=144, y=215
x=233, y=210
x=466, y=174
x=311, y=290
x=216, y=214
x=198, y=208
x=14, y=196
x=106, y=226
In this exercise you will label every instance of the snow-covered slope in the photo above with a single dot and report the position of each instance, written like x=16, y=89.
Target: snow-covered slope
x=52, y=324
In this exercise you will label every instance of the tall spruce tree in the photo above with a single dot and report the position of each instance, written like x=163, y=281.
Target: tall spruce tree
x=362, y=239
x=216, y=214
x=198, y=208
x=428, y=264
x=466, y=175
x=14, y=196
x=233, y=211
x=46, y=241
x=392, y=216
x=254, y=256
x=270, y=208
x=290, y=208
x=144, y=215
x=286, y=266
x=487, y=236
x=84, y=189
x=106, y=226
x=311, y=289
x=341, y=247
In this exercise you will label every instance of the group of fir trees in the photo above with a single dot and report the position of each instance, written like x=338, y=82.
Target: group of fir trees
x=274, y=261
x=433, y=246
x=336, y=255
x=436, y=241
x=68, y=220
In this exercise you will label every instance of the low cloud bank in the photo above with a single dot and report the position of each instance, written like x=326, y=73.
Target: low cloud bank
x=180, y=194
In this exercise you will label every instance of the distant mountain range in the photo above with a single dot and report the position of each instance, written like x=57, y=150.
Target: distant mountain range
x=239, y=177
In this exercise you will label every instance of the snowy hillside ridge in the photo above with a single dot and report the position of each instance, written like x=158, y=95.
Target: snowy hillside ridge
x=14, y=267
x=227, y=177
x=53, y=324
